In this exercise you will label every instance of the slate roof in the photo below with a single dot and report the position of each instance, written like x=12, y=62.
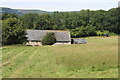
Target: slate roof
x=37, y=35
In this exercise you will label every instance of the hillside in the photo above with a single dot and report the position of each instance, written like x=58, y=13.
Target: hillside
x=20, y=11
x=24, y=11
x=9, y=11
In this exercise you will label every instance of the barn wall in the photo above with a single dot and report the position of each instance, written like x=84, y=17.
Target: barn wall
x=39, y=43
x=61, y=43
x=33, y=43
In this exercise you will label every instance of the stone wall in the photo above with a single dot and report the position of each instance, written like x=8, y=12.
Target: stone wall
x=33, y=43
x=30, y=43
x=62, y=43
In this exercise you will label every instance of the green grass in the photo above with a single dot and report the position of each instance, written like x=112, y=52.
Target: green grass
x=96, y=59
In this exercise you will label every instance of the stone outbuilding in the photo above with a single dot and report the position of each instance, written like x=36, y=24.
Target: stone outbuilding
x=35, y=37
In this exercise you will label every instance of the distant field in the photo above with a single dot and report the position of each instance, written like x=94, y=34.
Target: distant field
x=96, y=59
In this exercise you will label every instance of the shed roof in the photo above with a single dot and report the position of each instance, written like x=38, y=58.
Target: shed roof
x=37, y=35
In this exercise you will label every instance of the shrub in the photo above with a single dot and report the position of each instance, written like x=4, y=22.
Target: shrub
x=102, y=33
x=99, y=33
x=49, y=39
x=112, y=34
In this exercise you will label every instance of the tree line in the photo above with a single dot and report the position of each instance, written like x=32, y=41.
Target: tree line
x=81, y=24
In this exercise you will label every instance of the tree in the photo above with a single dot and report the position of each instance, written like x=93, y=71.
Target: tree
x=6, y=16
x=82, y=31
x=43, y=22
x=81, y=24
x=29, y=19
x=13, y=31
x=49, y=39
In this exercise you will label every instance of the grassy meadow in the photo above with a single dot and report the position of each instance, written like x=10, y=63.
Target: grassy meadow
x=96, y=59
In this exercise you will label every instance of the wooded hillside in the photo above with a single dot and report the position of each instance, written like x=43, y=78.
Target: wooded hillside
x=81, y=24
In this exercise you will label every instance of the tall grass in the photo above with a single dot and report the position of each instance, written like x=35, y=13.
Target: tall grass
x=98, y=58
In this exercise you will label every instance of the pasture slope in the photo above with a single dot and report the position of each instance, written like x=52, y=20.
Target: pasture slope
x=96, y=59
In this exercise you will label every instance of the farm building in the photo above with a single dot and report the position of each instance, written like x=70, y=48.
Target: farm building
x=78, y=41
x=35, y=36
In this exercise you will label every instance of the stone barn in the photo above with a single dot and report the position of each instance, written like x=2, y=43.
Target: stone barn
x=78, y=41
x=35, y=37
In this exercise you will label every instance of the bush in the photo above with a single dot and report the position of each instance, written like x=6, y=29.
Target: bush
x=99, y=33
x=113, y=34
x=49, y=39
x=102, y=33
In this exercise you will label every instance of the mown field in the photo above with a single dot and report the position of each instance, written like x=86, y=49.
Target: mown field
x=96, y=59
